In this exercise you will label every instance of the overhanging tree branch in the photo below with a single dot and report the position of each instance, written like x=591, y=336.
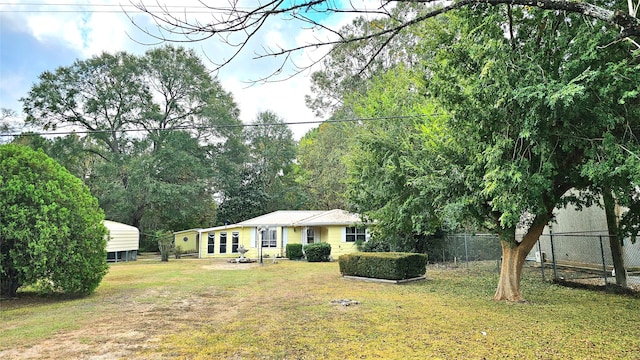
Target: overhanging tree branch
x=236, y=26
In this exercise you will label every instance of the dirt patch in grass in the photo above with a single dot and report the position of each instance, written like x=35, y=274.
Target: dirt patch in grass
x=230, y=266
x=119, y=324
x=129, y=325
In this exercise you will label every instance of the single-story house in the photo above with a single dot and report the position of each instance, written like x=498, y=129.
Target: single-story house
x=122, y=241
x=269, y=234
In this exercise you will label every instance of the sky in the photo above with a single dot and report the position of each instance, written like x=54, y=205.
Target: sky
x=41, y=35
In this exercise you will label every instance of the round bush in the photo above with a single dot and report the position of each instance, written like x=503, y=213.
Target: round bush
x=51, y=228
x=317, y=252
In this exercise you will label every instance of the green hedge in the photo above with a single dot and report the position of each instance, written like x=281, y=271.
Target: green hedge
x=317, y=252
x=391, y=266
x=294, y=251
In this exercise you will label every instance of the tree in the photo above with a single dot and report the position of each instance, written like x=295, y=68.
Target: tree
x=237, y=26
x=517, y=119
x=104, y=96
x=186, y=96
x=272, y=151
x=165, y=243
x=150, y=131
x=244, y=199
x=259, y=177
x=51, y=231
x=529, y=110
x=613, y=166
x=8, y=123
x=382, y=165
x=321, y=157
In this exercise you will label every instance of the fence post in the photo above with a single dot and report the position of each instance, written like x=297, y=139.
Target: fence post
x=466, y=253
x=444, y=261
x=553, y=257
x=541, y=259
x=604, y=264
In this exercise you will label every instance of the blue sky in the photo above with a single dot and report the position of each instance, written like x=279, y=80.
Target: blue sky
x=36, y=38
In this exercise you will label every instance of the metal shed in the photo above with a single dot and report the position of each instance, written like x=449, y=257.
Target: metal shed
x=122, y=241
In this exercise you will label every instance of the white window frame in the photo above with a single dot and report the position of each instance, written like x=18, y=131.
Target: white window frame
x=269, y=237
x=313, y=236
x=235, y=242
x=223, y=234
x=358, y=233
x=211, y=243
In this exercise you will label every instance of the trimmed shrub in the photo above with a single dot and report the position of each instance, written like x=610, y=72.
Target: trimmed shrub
x=390, y=266
x=317, y=252
x=294, y=251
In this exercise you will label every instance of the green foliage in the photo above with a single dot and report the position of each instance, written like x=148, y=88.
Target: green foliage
x=317, y=252
x=243, y=200
x=391, y=266
x=322, y=156
x=165, y=243
x=387, y=158
x=294, y=251
x=164, y=176
x=51, y=231
x=375, y=244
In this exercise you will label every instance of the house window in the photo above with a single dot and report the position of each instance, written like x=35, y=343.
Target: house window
x=310, y=236
x=185, y=239
x=223, y=243
x=211, y=243
x=354, y=233
x=269, y=238
x=235, y=242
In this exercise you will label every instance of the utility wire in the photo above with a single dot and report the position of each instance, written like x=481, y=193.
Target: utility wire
x=118, y=8
x=180, y=128
x=110, y=8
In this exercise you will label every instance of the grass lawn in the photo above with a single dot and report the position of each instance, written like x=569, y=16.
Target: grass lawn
x=205, y=309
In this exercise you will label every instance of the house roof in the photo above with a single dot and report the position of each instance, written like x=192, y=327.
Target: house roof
x=304, y=218
x=116, y=226
x=332, y=217
x=281, y=218
x=295, y=218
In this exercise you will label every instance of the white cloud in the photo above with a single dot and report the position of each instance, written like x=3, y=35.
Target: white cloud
x=105, y=33
x=98, y=30
x=286, y=99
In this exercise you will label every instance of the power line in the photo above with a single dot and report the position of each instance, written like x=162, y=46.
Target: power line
x=35, y=7
x=110, y=8
x=184, y=128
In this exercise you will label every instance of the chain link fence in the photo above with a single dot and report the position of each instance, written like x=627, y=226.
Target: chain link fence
x=585, y=258
x=465, y=248
x=573, y=257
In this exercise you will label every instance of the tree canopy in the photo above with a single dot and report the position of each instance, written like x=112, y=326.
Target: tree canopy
x=51, y=229
x=511, y=108
x=153, y=133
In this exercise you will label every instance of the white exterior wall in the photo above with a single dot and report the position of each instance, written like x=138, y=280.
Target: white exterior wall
x=121, y=237
x=590, y=222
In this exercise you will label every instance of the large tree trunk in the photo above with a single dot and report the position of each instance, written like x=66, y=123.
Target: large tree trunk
x=615, y=241
x=513, y=257
x=9, y=284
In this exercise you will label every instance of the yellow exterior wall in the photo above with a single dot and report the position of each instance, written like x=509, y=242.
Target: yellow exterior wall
x=189, y=246
x=245, y=240
x=334, y=236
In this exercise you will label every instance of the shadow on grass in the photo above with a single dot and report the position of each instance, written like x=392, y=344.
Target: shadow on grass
x=609, y=288
x=33, y=298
